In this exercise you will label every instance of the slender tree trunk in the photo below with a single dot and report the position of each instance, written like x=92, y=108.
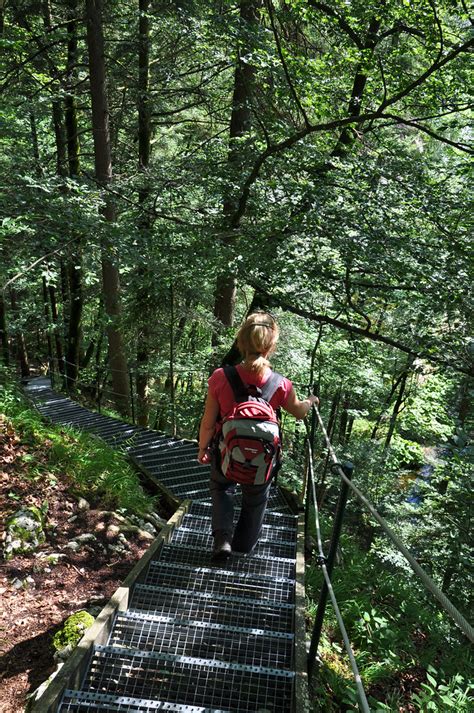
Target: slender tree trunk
x=464, y=403
x=75, y=318
x=4, y=331
x=35, y=144
x=70, y=115
x=347, y=136
x=172, y=355
x=20, y=338
x=397, y=406
x=57, y=335
x=47, y=323
x=344, y=418
x=350, y=423
x=144, y=226
x=240, y=123
x=103, y=171
x=389, y=398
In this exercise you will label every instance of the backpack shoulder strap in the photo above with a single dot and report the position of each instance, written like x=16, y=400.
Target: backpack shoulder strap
x=238, y=387
x=271, y=385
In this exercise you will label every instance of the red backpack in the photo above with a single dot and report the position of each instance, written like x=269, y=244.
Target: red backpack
x=250, y=438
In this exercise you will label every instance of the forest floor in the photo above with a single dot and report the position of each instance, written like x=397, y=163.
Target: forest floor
x=37, y=596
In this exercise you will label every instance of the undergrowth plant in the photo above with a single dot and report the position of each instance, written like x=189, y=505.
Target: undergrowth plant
x=97, y=471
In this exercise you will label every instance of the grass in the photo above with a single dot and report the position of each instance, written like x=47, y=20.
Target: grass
x=97, y=472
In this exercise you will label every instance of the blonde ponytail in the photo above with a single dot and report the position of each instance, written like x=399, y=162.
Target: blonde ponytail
x=257, y=338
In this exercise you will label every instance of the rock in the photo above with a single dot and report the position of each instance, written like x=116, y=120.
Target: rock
x=82, y=504
x=145, y=535
x=17, y=583
x=24, y=532
x=73, y=545
x=64, y=653
x=66, y=639
x=86, y=538
x=112, y=532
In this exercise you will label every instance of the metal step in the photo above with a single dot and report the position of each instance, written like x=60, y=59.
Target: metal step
x=221, y=582
x=212, y=607
x=87, y=702
x=183, y=679
x=161, y=450
x=269, y=532
x=279, y=567
x=280, y=519
x=186, y=637
x=203, y=540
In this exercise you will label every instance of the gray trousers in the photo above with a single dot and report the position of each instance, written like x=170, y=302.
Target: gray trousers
x=254, y=502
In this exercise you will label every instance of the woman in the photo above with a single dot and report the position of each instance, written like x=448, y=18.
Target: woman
x=256, y=341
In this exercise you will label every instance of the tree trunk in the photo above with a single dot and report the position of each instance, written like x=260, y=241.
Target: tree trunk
x=387, y=404
x=57, y=335
x=20, y=338
x=144, y=223
x=347, y=136
x=350, y=423
x=396, y=407
x=240, y=123
x=75, y=317
x=464, y=403
x=35, y=145
x=103, y=171
x=4, y=331
x=342, y=435
x=47, y=324
x=70, y=114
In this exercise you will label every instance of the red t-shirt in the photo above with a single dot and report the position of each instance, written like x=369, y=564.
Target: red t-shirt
x=221, y=390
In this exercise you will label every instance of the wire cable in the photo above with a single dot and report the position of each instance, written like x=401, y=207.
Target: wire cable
x=432, y=587
x=355, y=670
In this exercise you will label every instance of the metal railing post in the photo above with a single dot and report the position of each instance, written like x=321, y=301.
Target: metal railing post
x=348, y=469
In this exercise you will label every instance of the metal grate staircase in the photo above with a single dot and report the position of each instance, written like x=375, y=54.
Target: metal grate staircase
x=196, y=637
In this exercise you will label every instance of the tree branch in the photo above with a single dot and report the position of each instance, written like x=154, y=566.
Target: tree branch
x=354, y=329
x=465, y=47
x=421, y=127
x=283, y=64
x=343, y=24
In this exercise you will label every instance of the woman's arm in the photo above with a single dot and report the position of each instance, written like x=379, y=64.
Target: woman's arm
x=298, y=408
x=208, y=425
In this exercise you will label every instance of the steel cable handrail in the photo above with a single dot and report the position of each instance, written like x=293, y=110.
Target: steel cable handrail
x=447, y=605
x=357, y=677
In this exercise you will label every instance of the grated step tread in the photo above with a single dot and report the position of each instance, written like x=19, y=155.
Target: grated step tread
x=278, y=567
x=182, y=679
x=88, y=702
x=185, y=637
x=212, y=607
x=221, y=582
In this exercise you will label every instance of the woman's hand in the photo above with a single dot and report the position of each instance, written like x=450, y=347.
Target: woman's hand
x=204, y=456
x=313, y=400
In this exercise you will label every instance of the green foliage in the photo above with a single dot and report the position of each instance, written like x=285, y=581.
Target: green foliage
x=440, y=694
x=392, y=630
x=426, y=418
x=96, y=470
x=403, y=453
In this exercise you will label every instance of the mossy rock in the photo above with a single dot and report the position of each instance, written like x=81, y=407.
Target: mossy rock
x=24, y=531
x=73, y=630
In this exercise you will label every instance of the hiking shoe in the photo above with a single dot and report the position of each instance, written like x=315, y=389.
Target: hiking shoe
x=222, y=548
